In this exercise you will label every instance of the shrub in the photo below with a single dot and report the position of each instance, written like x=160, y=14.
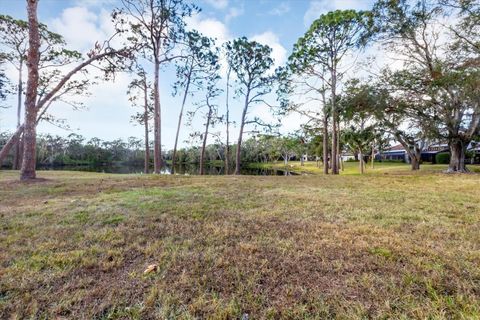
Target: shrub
x=442, y=158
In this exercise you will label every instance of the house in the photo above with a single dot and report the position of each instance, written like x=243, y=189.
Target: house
x=430, y=152
x=394, y=153
x=398, y=153
x=347, y=156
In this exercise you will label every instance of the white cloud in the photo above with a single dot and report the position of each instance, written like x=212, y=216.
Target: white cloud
x=218, y=4
x=210, y=27
x=318, y=7
x=233, y=13
x=80, y=28
x=280, y=10
x=279, y=53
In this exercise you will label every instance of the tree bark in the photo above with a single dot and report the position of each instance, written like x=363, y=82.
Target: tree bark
x=457, y=156
x=204, y=144
x=30, y=135
x=145, y=120
x=334, y=158
x=360, y=155
x=239, y=142
x=227, y=115
x=415, y=164
x=157, y=149
x=325, y=143
x=14, y=139
x=17, y=157
x=180, y=116
x=373, y=156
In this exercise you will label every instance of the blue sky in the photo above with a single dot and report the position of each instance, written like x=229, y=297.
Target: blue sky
x=82, y=22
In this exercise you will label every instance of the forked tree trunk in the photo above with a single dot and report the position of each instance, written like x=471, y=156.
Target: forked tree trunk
x=145, y=120
x=415, y=157
x=458, y=149
x=157, y=148
x=30, y=135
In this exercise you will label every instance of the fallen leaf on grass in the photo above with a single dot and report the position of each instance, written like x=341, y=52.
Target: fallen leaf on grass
x=151, y=268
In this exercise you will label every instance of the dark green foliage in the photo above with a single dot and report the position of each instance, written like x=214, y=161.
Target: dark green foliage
x=442, y=158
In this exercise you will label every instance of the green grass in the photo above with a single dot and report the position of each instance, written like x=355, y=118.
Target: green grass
x=352, y=168
x=386, y=245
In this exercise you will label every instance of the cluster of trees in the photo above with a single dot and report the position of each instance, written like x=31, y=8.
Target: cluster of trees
x=154, y=34
x=431, y=92
x=77, y=150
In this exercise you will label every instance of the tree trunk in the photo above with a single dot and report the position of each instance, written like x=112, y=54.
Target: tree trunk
x=373, y=155
x=180, y=116
x=17, y=156
x=204, y=144
x=360, y=155
x=227, y=115
x=339, y=153
x=457, y=156
x=145, y=120
x=415, y=164
x=302, y=161
x=157, y=149
x=325, y=143
x=334, y=158
x=240, y=135
x=12, y=141
x=30, y=135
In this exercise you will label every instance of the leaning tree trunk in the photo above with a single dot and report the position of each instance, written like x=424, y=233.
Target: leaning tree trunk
x=457, y=156
x=17, y=156
x=145, y=120
x=12, y=141
x=30, y=135
x=179, y=124
x=240, y=135
x=204, y=144
x=157, y=149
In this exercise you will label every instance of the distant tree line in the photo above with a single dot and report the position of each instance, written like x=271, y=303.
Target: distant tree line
x=429, y=92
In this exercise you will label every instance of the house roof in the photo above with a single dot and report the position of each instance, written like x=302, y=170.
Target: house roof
x=397, y=147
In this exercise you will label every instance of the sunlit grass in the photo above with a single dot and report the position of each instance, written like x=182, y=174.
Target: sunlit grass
x=389, y=245
x=352, y=167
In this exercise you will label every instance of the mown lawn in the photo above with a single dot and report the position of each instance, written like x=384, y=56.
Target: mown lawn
x=352, y=167
x=387, y=245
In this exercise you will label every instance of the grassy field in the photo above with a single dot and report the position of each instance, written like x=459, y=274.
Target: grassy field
x=389, y=244
x=352, y=168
